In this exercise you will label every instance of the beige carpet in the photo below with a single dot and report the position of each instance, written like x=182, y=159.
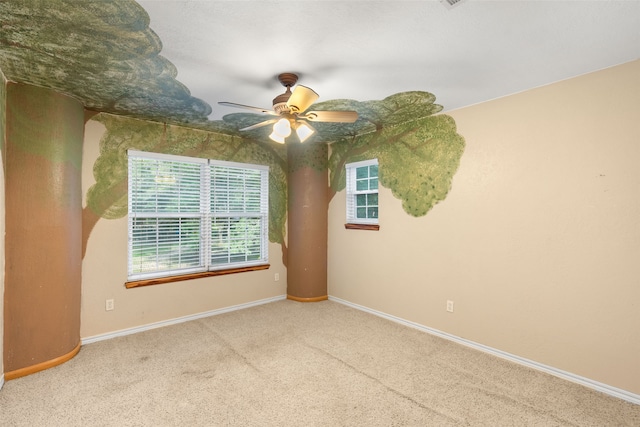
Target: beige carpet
x=293, y=364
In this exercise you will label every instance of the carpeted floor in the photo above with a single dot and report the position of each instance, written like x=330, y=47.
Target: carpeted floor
x=294, y=364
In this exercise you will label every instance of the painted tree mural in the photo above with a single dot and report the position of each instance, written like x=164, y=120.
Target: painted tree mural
x=106, y=55
x=418, y=153
x=107, y=198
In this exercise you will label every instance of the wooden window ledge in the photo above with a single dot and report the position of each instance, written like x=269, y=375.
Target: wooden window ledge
x=170, y=279
x=374, y=227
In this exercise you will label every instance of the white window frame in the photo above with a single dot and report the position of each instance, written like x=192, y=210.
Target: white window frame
x=353, y=192
x=243, y=205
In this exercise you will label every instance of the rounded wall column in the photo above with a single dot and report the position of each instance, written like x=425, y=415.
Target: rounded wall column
x=307, y=222
x=44, y=136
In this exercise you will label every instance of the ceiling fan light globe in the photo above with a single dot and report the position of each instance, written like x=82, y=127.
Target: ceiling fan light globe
x=282, y=128
x=304, y=132
x=277, y=138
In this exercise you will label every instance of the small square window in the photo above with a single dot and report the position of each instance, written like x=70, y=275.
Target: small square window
x=362, y=192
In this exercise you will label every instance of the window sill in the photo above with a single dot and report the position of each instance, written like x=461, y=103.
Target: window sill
x=374, y=227
x=171, y=279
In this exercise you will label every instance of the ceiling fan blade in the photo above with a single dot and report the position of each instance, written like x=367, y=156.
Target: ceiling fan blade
x=248, y=107
x=259, y=125
x=331, y=116
x=301, y=98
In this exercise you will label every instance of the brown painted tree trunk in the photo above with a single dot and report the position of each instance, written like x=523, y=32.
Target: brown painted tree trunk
x=307, y=222
x=44, y=136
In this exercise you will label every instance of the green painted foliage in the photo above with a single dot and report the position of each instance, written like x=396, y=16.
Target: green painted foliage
x=420, y=166
x=418, y=153
x=100, y=52
x=108, y=196
x=310, y=154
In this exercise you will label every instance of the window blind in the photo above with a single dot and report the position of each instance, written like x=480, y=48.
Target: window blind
x=239, y=221
x=189, y=215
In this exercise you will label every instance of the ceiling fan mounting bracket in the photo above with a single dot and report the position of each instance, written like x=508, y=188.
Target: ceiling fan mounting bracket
x=288, y=79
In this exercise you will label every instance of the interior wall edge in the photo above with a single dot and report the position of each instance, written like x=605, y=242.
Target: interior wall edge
x=3, y=84
x=586, y=382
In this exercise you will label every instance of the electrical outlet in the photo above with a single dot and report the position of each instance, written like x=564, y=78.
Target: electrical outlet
x=276, y=277
x=108, y=305
x=450, y=306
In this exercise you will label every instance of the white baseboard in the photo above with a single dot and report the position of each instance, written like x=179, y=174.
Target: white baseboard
x=135, y=330
x=603, y=388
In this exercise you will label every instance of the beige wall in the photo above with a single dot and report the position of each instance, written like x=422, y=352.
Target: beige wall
x=538, y=242
x=104, y=272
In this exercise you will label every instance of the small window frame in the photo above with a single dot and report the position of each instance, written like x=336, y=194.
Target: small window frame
x=353, y=193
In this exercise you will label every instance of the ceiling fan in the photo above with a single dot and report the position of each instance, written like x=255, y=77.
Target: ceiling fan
x=290, y=108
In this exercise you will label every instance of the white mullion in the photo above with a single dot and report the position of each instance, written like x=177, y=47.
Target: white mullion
x=131, y=217
x=205, y=210
x=366, y=192
x=264, y=210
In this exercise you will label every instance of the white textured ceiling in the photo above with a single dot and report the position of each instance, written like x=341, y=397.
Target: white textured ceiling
x=367, y=50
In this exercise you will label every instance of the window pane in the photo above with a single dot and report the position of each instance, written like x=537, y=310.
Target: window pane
x=373, y=184
x=361, y=200
x=361, y=213
x=372, y=212
x=161, y=244
x=235, y=240
x=372, y=199
x=162, y=186
x=235, y=190
x=362, y=185
x=362, y=172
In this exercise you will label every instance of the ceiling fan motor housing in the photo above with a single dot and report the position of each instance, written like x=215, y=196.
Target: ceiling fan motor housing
x=280, y=102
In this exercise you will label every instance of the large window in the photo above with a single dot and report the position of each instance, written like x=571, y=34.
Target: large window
x=362, y=192
x=190, y=215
